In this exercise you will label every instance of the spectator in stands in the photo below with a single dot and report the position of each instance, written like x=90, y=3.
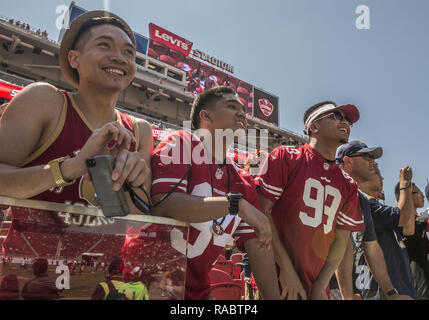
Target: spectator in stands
x=295, y=185
x=114, y=288
x=425, y=214
x=417, y=245
x=42, y=287
x=357, y=160
x=61, y=130
x=215, y=196
x=9, y=287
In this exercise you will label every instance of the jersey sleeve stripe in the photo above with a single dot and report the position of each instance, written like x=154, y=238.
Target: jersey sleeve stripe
x=350, y=219
x=243, y=231
x=163, y=180
x=340, y=219
x=267, y=186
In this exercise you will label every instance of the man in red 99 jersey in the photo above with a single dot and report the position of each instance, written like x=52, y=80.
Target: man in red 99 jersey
x=314, y=205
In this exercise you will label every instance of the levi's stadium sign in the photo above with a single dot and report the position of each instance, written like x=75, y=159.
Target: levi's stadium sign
x=171, y=40
x=216, y=62
x=8, y=91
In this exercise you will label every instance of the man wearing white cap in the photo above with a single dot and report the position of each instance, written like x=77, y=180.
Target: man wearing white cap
x=314, y=204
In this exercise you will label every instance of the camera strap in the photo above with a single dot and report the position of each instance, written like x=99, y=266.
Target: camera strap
x=146, y=207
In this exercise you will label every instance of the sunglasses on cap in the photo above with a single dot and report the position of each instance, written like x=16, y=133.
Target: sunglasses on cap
x=337, y=116
x=366, y=156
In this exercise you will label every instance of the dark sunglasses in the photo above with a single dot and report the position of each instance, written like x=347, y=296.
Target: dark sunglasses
x=366, y=156
x=338, y=116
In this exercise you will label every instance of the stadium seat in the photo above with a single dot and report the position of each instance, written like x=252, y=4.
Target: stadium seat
x=226, y=291
x=221, y=258
x=216, y=276
x=237, y=258
x=167, y=59
x=226, y=266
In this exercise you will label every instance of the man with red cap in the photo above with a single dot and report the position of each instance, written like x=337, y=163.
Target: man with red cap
x=47, y=134
x=313, y=204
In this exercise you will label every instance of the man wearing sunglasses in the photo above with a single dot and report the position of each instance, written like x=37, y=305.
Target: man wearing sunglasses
x=313, y=204
x=382, y=265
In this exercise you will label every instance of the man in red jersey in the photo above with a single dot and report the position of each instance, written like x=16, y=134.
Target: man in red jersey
x=217, y=197
x=47, y=134
x=42, y=125
x=314, y=205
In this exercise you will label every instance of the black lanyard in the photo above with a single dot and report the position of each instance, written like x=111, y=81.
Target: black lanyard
x=228, y=188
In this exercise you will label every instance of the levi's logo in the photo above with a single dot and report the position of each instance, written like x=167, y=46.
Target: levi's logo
x=172, y=40
x=266, y=107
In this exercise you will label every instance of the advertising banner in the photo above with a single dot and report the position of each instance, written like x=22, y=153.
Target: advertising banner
x=8, y=91
x=169, y=39
x=266, y=106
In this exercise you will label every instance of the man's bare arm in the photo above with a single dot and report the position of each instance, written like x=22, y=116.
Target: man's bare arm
x=335, y=256
x=292, y=288
x=24, y=126
x=264, y=270
x=193, y=209
x=375, y=258
x=405, y=202
x=344, y=273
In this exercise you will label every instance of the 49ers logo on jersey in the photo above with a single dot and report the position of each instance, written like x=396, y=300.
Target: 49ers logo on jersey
x=266, y=106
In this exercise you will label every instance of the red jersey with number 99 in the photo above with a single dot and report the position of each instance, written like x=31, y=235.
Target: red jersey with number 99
x=312, y=197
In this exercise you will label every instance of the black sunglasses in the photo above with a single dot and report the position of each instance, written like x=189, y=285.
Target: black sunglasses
x=366, y=156
x=338, y=116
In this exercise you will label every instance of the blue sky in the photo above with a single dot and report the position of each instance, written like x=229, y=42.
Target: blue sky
x=304, y=51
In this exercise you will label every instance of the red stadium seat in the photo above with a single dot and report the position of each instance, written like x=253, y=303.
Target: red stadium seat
x=226, y=266
x=226, y=291
x=216, y=276
x=167, y=59
x=243, y=101
x=237, y=259
x=221, y=258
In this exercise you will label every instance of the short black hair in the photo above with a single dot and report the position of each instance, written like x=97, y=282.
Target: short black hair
x=310, y=110
x=100, y=21
x=204, y=100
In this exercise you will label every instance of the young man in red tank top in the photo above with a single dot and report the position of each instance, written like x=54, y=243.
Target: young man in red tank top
x=44, y=129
